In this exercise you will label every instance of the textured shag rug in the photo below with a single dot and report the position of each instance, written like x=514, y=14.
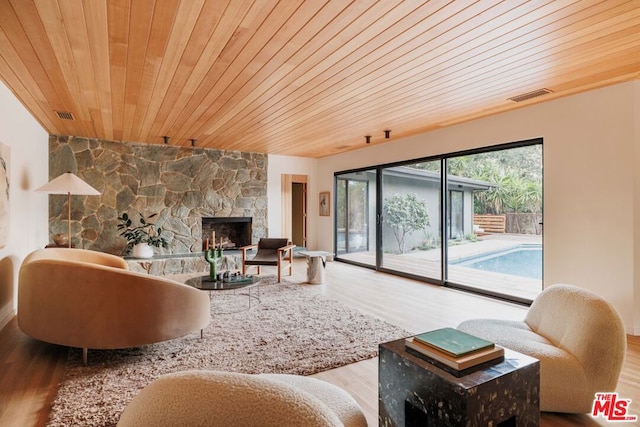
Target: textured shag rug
x=293, y=330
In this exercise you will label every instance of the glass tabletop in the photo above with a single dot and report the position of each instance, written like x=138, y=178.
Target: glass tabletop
x=206, y=284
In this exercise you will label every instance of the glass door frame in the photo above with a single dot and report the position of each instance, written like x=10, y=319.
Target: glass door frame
x=442, y=212
x=368, y=226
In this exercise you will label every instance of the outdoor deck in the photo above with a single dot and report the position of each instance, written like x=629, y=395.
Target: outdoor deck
x=427, y=264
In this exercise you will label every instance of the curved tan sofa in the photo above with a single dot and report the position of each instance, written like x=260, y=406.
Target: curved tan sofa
x=87, y=299
x=578, y=337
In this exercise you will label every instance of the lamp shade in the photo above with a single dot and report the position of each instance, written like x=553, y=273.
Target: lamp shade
x=68, y=183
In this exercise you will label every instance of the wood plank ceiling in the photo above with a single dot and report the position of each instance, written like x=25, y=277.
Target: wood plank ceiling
x=303, y=78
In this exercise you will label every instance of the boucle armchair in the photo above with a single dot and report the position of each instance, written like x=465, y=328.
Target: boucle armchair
x=578, y=337
x=215, y=398
x=90, y=300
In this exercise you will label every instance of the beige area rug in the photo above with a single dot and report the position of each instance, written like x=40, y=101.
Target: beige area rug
x=294, y=330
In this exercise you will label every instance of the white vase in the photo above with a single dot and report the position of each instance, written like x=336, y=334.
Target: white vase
x=142, y=250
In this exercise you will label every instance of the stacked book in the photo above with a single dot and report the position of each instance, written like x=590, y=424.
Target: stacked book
x=237, y=278
x=454, y=349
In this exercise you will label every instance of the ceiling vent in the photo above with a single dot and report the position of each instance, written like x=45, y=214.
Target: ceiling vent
x=529, y=95
x=65, y=115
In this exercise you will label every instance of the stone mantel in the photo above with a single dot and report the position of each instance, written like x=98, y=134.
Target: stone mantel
x=164, y=265
x=181, y=185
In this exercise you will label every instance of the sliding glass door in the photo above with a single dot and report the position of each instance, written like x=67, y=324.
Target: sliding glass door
x=411, y=236
x=356, y=217
x=485, y=204
x=499, y=250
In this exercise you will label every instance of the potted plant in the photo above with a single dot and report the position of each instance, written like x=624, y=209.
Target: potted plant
x=142, y=238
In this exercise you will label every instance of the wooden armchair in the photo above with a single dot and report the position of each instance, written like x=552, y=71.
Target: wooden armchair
x=270, y=251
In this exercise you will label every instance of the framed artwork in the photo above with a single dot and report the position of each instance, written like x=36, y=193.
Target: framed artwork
x=4, y=194
x=325, y=203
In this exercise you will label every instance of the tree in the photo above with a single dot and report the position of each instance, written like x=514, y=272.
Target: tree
x=405, y=213
x=514, y=171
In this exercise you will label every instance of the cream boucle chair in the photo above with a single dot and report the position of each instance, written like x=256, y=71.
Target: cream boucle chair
x=90, y=300
x=214, y=398
x=578, y=337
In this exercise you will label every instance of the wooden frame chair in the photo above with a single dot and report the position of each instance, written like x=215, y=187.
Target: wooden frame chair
x=270, y=251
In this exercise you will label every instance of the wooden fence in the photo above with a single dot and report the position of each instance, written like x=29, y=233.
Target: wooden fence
x=491, y=223
x=515, y=223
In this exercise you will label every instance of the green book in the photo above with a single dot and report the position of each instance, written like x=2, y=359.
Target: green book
x=453, y=342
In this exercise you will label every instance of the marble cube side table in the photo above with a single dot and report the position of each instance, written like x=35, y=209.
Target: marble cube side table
x=415, y=392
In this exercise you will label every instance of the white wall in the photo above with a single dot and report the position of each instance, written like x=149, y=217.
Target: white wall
x=288, y=165
x=28, y=215
x=636, y=205
x=591, y=184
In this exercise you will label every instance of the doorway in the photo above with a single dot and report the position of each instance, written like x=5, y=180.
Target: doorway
x=294, y=208
x=299, y=214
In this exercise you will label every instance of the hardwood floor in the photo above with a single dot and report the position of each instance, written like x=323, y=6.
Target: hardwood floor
x=30, y=370
x=29, y=373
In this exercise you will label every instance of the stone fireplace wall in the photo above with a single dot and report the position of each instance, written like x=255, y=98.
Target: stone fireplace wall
x=181, y=185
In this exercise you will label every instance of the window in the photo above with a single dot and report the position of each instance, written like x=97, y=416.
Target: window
x=411, y=219
x=354, y=215
x=455, y=209
x=389, y=218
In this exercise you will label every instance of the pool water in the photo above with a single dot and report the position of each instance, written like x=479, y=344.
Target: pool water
x=525, y=261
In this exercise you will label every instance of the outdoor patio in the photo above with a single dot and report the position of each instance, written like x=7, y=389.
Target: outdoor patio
x=427, y=264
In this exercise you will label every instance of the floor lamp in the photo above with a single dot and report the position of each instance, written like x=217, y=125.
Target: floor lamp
x=68, y=184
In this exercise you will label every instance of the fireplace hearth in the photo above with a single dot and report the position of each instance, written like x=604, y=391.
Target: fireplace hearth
x=234, y=232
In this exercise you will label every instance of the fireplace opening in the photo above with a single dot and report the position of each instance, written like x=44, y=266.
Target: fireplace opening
x=234, y=232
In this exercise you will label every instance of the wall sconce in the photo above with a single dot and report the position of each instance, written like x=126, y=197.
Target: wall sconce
x=193, y=142
x=166, y=139
x=368, y=138
x=387, y=134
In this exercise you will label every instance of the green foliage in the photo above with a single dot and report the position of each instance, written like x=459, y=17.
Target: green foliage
x=471, y=237
x=145, y=232
x=405, y=213
x=517, y=173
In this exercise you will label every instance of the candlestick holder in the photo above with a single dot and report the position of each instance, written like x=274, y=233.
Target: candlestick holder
x=213, y=256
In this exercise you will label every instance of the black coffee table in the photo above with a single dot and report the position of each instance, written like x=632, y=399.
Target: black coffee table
x=206, y=284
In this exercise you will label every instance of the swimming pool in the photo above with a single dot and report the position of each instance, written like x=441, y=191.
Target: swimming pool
x=523, y=260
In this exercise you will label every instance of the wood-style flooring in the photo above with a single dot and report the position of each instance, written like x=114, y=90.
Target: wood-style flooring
x=30, y=370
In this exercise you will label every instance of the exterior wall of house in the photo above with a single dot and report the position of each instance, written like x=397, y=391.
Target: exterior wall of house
x=591, y=184
x=28, y=169
x=467, y=213
x=428, y=191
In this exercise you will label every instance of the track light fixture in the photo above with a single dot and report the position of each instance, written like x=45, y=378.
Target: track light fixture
x=368, y=139
x=166, y=139
x=387, y=134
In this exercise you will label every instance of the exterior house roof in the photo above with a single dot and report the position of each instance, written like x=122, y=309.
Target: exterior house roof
x=455, y=182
